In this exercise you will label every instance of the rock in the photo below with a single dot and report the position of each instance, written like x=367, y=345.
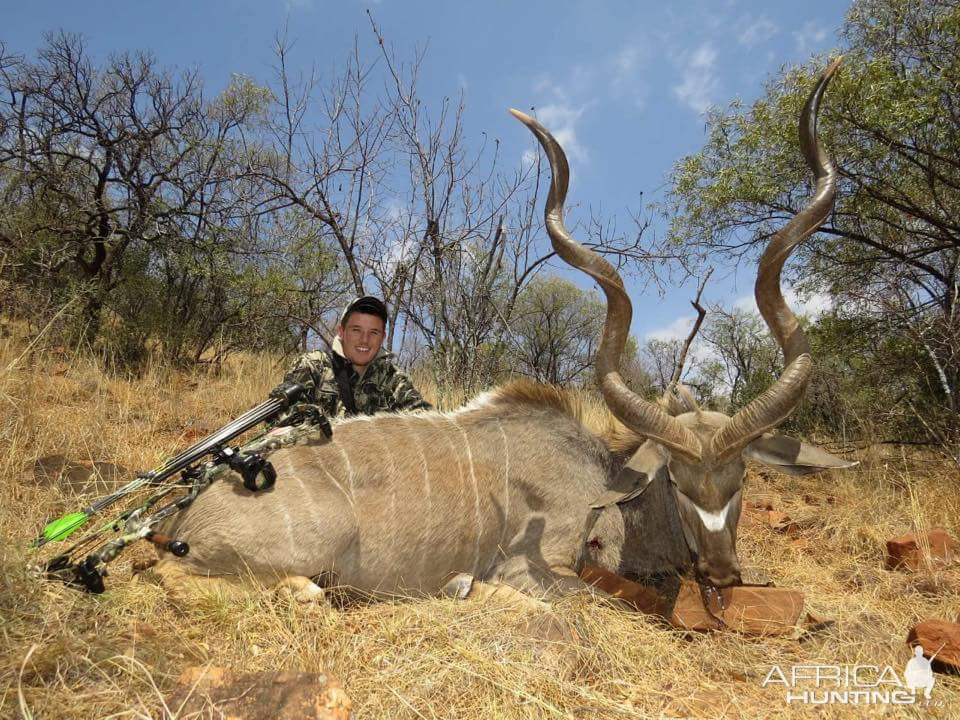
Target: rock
x=212, y=691
x=556, y=645
x=800, y=544
x=751, y=610
x=782, y=523
x=193, y=434
x=639, y=597
x=906, y=553
x=932, y=634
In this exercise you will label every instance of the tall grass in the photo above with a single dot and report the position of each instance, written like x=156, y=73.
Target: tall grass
x=64, y=654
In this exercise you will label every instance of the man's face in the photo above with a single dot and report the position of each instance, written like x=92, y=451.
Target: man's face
x=361, y=336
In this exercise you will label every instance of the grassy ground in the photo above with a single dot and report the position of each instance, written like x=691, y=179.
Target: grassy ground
x=64, y=654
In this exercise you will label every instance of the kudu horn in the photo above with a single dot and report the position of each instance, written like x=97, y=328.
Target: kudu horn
x=778, y=401
x=644, y=417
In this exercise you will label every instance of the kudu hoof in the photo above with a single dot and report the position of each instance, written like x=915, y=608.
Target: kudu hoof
x=302, y=591
x=458, y=587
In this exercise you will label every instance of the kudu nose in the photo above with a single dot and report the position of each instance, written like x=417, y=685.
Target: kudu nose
x=720, y=575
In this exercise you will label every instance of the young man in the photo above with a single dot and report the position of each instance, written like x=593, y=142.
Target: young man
x=358, y=377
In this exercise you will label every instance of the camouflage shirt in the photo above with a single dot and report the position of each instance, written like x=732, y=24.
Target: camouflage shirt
x=382, y=388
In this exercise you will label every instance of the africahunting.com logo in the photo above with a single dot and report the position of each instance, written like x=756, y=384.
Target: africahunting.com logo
x=857, y=684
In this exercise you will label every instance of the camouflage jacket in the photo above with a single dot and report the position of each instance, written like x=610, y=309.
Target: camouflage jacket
x=382, y=388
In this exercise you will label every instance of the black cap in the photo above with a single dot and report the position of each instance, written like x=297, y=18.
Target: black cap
x=369, y=305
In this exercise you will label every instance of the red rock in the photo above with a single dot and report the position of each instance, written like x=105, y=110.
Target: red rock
x=640, y=597
x=193, y=434
x=905, y=552
x=781, y=522
x=555, y=643
x=211, y=691
x=800, y=544
x=932, y=634
x=751, y=610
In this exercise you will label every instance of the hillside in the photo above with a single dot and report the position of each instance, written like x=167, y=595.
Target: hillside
x=69, y=655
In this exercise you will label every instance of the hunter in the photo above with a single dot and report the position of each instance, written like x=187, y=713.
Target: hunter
x=357, y=377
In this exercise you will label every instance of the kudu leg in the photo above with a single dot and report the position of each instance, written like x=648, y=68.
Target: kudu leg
x=180, y=584
x=517, y=580
x=546, y=582
x=464, y=586
x=303, y=590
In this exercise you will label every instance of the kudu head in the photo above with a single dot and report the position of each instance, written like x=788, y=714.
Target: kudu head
x=704, y=452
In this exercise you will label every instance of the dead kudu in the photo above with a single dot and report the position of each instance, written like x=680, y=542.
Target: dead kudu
x=512, y=492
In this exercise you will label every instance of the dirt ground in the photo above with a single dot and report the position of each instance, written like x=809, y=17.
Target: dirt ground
x=65, y=654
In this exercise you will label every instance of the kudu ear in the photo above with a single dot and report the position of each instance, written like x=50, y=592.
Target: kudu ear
x=792, y=456
x=632, y=480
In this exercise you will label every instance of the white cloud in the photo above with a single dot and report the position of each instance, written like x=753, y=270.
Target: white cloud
x=809, y=37
x=677, y=330
x=561, y=120
x=813, y=306
x=699, y=82
x=699, y=354
x=627, y=60
x=624, y=76
x=760, y=30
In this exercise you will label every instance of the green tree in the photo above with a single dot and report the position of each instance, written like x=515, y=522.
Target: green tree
x=890, y=252
x=554, y=335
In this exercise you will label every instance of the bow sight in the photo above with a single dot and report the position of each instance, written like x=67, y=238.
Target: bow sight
x=139, y=521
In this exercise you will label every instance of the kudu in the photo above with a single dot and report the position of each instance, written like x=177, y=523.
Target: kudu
x=512, y=489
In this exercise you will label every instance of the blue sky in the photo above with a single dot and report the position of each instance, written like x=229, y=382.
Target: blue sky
x=622, y=84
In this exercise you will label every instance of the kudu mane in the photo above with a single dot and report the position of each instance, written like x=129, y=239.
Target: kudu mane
x=524, y=394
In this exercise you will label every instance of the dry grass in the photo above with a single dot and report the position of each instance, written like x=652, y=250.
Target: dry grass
x=64, y=654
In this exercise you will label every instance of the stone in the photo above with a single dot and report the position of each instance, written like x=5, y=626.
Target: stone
x=941, y=637
x=193, y=434
x=906, y=552
x=639, y=597
x=781, y=522
x=555, y=643
x=211, y=691
x=750, y=610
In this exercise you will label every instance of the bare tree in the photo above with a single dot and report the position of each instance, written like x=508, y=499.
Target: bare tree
x=108, y=168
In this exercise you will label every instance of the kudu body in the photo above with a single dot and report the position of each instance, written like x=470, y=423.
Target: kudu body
x=513, y=489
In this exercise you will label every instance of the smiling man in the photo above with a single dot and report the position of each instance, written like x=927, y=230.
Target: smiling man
x=357, y=377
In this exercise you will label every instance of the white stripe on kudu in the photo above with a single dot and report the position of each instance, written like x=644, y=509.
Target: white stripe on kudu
x=476, y=496
x=506, y=481
x=715, y=521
